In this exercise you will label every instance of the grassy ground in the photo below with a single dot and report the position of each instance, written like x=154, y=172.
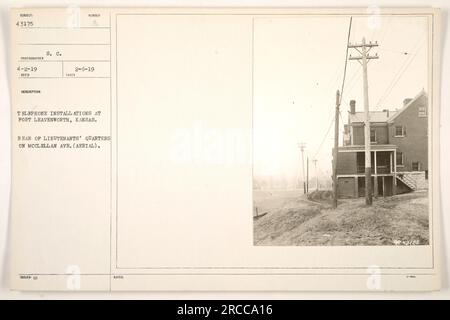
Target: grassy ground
x=293, y=219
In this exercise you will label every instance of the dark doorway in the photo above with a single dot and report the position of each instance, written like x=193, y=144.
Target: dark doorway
x=380, y=186
x=361, y=187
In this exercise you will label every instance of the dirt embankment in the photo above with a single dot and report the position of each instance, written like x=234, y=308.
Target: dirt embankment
x=398, y=220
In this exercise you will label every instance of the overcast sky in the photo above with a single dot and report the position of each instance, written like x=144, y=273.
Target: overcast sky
x=298, y=66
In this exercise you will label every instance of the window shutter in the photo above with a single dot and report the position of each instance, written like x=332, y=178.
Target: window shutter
x=404, y=131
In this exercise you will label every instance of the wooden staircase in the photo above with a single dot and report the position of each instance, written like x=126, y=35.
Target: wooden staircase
x=408, y=181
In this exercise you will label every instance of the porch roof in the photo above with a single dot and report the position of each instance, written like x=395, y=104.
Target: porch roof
x=373, y=147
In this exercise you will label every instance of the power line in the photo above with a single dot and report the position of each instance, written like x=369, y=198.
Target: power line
x=342, y=87
x=346, y=58
x=392, y=83
x=324, y=138
x=395, y=51
x=399, y=73
x=399, y=77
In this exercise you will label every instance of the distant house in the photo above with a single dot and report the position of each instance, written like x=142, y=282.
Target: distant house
x=399, y=150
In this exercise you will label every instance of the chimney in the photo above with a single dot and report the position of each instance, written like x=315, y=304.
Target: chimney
x=352, y=106
x=387, y=112
x=406, y=101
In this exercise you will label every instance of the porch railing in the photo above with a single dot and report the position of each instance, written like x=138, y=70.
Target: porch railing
x=380, y=169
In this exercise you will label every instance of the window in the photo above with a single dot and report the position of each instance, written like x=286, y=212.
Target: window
x=373, y=135
x=422, y=112
x=415, y=166
x=400, y=131
x=399, y=158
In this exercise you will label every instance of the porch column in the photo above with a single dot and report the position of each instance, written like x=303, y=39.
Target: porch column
x=394, y=165
x=375, y=178
x=391, y=167
x=356, y=187
x=384, y=187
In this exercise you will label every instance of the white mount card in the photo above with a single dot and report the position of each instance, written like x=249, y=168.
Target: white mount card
x=225, y=149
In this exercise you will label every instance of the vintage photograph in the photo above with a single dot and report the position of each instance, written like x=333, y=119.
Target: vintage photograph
x=341, y=130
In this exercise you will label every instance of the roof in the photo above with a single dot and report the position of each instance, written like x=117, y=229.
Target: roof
x=392, y=117
x=383, y=116
x=374, y=116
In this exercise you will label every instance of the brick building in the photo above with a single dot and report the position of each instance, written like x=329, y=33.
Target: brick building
x=399, y=150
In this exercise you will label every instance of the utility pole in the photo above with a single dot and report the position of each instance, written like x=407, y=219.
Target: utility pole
x=335, y=150
x=302, y=147
x=363, y=48
x=307, y=175
x=315, y=172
